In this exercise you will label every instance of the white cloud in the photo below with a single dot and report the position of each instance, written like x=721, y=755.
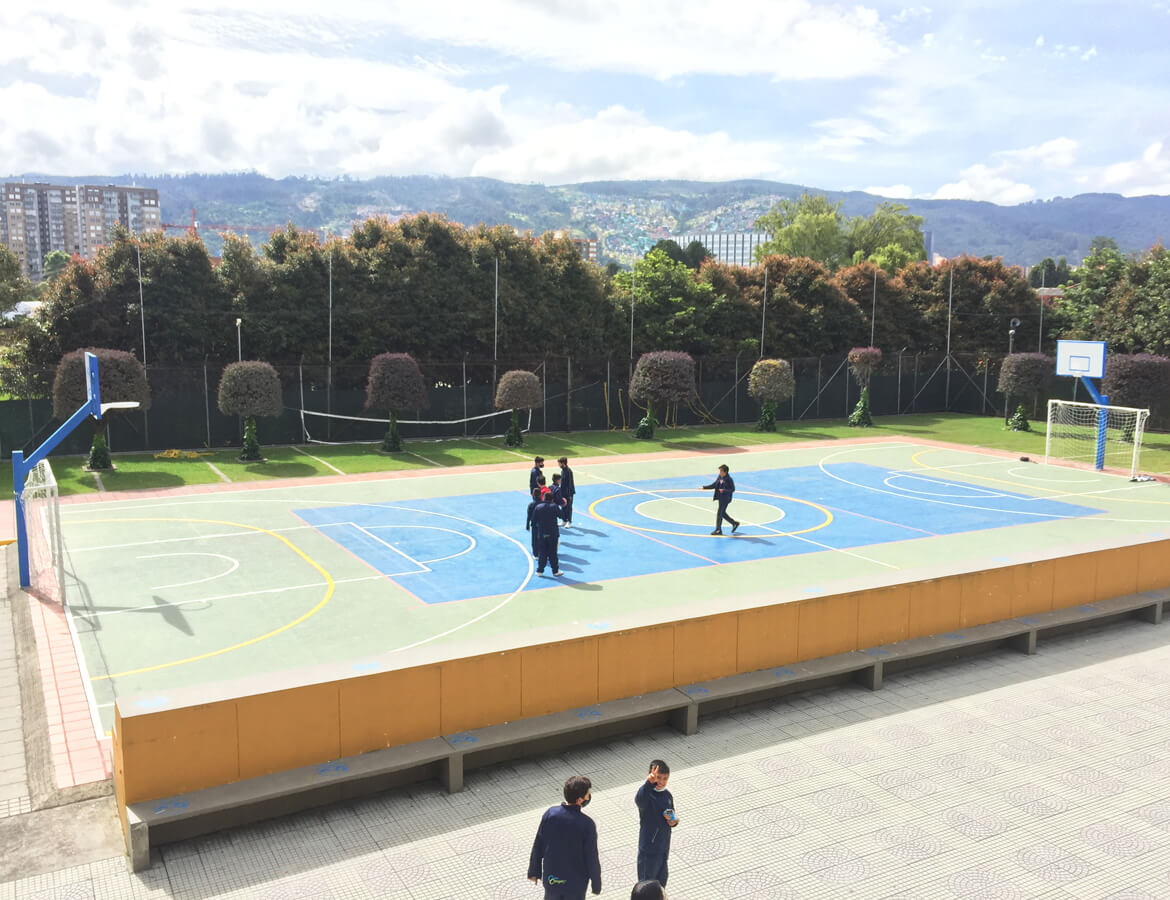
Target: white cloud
x=912, y=12
x=979, y=182
x=1149, y=174
x=622, y=143
x=1089, y=54
x=1039, y=40
x=898, y=191
x=1058, y=153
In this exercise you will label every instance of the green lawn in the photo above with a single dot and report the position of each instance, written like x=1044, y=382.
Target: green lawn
x=142, y=471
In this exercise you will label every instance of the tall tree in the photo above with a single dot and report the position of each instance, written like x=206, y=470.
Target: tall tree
x=810, y=227
x=14, y=287
x=891, y=237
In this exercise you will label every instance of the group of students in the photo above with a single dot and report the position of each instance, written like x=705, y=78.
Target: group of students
x=564, y=855
x=550, y=504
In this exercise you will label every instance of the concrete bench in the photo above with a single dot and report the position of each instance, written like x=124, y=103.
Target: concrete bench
x=211, y=809
x=869, y=666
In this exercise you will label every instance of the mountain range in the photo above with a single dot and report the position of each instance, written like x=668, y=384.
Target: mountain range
x=628, y=217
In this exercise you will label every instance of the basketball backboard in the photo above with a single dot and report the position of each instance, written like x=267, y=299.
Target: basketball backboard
x=1080, y=359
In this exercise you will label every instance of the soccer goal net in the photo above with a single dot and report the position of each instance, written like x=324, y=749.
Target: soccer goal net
x=1100, y=436
x=42, y=518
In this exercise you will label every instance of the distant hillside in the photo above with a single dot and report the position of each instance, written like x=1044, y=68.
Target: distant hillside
x=629, y=216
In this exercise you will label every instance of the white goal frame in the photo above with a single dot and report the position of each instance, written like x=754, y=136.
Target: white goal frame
x=1103, y=435
x=40, y=505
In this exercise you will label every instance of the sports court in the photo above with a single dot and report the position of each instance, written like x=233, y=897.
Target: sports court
x=171, y=592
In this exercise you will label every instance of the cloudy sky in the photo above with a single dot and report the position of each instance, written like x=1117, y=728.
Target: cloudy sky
x=1000, y=101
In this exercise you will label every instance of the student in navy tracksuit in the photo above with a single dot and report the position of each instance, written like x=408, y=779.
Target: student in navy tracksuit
x=537, y=465
x=568, y=488
x=564, y=855
x=656, y=817
x=528, y=524
x=724, y=487
x=544, y=522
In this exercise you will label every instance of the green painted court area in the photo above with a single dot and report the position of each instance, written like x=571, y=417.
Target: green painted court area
x=170, y=592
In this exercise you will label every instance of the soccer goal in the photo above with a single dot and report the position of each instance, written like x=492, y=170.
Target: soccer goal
x=1095, y=435
x=42, y=519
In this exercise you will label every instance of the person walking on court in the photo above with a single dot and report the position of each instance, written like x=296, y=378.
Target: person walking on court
x=564, y=855
x=544, y=520
x=724, y=487
x=535, y=532
x=568, y=489
x=656, y=819
x=535, y=474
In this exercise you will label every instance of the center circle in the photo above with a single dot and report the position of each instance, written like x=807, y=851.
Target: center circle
x=698, y=510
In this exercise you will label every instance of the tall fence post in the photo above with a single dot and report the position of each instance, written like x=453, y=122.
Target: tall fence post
x=301, y=382
x=914, y=399
x=465, y=395
x=818, y=387
x=846, y=395
x=735, y=402
x=544, y=396
x=983, y=401
x=568, y=393
x=898, y=405
x=207, y=405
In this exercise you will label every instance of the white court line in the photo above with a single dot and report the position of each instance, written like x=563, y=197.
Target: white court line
x=595, y=447
x=181, y=603
x=775, y=531
x=193, y=537
x=71, y=510
x=235, y=564
x=975, y=491
x=219, y=472
x=425, y=459
x=998, y=509
x=410, y=559
x=505, y=449
x=471, y=546
x=319, y=459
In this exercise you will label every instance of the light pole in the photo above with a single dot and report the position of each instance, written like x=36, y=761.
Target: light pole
x=1015, y=323
x=873, y=309
x=141, y=302
x=763, y=312
x=239, y=341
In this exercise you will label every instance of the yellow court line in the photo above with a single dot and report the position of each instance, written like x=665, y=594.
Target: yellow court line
x=1017, y=484
x=593, y=512
x=263, y=637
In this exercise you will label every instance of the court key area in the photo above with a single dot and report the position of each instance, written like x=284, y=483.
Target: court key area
x=178, y=591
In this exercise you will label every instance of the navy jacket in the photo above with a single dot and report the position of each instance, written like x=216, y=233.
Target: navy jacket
x=724, y=487
x=653, y=832
x=568, y=488
x=532, y=476
x=528, y=522
x=564, y=854
x=544, y=518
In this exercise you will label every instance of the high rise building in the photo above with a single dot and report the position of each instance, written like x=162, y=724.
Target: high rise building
x=735, y=247
x=36, y=219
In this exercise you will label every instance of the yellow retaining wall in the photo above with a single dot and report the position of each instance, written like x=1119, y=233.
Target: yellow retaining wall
x=158, y=754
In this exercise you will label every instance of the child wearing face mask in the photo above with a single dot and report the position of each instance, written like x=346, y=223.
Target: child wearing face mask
x=657, y=817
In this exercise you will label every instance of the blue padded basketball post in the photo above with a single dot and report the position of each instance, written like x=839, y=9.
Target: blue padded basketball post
x=1102, y=417
x=21, y=466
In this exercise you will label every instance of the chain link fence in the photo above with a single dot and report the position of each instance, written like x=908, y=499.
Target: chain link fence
x=579, y=395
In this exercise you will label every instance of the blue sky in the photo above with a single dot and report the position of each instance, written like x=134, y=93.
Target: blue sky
x=1000, y=101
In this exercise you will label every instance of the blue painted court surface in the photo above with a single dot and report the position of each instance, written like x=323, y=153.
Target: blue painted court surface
x=463, y=547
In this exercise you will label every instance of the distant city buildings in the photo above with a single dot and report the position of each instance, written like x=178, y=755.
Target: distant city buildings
x=735, y=247
x=36, y=219
x=587, y=247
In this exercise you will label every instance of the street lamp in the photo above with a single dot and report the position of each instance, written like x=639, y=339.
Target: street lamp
x=240, y=341
x=1015, y=323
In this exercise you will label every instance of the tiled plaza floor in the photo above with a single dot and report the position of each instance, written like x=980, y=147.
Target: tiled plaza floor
x=1004, y=776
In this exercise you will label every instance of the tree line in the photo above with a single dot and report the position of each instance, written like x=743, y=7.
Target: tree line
x=428, y=287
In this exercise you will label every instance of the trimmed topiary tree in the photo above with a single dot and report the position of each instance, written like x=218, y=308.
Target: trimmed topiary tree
x=1137, y=379
x=250, y=389
x=664, y=376
x=771, y=382
x=395, y=383
x=1021, y=375
x=863, y=362
x=122, y=378
x=518, y=390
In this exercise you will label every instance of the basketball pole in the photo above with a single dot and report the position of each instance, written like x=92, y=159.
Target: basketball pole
x=21, y=466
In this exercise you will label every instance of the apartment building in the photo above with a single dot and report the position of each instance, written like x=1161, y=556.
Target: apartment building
x=36, y=219
x=735, y=247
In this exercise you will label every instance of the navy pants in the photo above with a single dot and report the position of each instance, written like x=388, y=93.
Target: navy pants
x=550, y=894
x=721, y=514
x=652, y=866
x=568, y=514
x=548, y=553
